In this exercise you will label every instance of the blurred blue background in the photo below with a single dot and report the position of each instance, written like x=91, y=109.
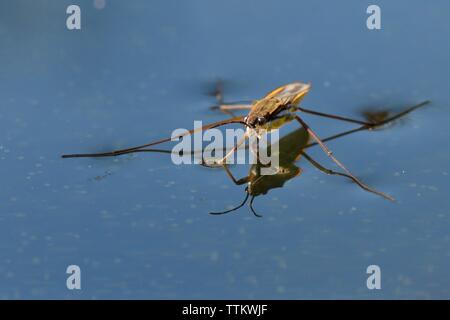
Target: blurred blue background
x=138, y=226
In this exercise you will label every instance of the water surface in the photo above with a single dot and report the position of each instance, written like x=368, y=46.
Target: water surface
x=138, y=226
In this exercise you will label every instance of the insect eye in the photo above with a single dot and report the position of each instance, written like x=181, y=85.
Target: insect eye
x=261, y=120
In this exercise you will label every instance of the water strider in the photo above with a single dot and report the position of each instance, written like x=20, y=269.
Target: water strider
x=275, y=109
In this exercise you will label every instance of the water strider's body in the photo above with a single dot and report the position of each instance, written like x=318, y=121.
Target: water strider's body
x=276, y=102
x=271, y=112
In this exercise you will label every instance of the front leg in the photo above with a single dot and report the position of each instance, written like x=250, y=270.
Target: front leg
x=228, y=108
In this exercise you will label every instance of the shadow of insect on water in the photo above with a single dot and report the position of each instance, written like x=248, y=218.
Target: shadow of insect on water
x=102, y=176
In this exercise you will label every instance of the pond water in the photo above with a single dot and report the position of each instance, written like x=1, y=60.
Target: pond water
x=138, y=225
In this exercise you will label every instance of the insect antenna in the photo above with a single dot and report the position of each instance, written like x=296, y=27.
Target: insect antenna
x=235, y=208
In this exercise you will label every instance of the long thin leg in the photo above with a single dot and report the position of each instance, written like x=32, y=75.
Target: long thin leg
x=234, y=106
x=228, y=108
x=333, y=116
x=230, y=175
x=330, y=154
x=222, y=161
x=374, y=125
x=331, y=172
x=362, y=122
x=134, y=149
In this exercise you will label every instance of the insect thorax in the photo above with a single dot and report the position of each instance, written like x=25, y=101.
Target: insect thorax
x=264, y=109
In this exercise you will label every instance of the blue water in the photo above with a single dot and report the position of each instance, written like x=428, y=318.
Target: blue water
x=138, y=226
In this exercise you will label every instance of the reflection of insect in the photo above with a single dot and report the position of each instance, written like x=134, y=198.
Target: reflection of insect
x=289, y=149
x=271, y=112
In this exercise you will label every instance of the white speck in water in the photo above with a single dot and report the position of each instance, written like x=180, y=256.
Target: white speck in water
x=281, y=290
x=404, y=280
x=214, y=256
x=99, y=4
x=282, y=264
